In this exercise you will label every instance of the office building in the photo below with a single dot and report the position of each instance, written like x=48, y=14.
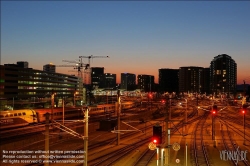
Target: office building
x=108, y=81
x=168, y=80
x=190, y=79
x=23, y=64
x=27, y=85
x=96, y=73
x=146, y=82
x=128, y=81
x=49, y=68
x=205, y=81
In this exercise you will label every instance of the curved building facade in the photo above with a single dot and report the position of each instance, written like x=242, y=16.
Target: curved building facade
x=223, y=74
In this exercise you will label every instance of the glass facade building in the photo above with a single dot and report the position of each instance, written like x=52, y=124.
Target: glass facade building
x=27, y=84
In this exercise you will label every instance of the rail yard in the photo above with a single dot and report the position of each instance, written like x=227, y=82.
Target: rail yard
x=198, y=134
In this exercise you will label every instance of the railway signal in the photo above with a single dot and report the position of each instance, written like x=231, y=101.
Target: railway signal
x=155, y=140
x=150, y=97
x=244, y=109
x=163, y=101
x=214, y=110
x=157, y=134
x=235, y=102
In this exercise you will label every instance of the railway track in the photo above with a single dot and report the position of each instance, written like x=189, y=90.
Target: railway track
x=145, y=158
x=36, y=128
x=235, y=120
x=237, y=131
x=147, y=155
x=79, y=146
x=111, y=158
x=231, y=146
x=123, y=153
x=199, y=149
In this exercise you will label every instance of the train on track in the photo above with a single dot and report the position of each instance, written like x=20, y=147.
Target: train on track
x=24, y=117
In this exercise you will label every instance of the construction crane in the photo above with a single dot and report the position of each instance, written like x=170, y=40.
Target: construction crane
x=91, y=56
x=75, y=67
x=89, y=69
x=79, y=66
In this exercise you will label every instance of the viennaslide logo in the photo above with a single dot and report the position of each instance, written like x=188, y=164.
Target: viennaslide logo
x=234, y=155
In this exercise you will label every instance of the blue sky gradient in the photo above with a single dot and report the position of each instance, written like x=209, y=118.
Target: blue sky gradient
x=140, y=37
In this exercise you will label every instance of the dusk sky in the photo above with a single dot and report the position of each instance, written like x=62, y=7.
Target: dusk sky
x=140, y=37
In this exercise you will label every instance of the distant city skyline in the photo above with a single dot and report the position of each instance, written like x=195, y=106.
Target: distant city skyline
x=140, y=37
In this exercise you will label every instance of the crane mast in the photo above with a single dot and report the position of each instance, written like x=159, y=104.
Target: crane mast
x=88, y=70
x=78, y=66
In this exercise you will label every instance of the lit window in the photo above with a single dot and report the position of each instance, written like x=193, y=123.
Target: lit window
x=218, y=72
